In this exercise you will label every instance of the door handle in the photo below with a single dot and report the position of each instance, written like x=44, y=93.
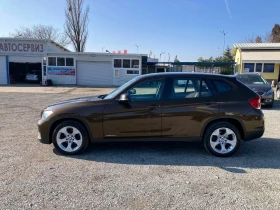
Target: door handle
x=209, y=102
x=154, y=106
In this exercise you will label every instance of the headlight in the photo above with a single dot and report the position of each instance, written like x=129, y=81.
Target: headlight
x=46, y=114
x=269, y=92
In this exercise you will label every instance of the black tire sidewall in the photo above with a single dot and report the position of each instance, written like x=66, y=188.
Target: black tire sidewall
x=76, y=125
x=211, y=129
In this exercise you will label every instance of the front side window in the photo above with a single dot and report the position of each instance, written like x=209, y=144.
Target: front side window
x=52, y=61
x=146, y=91
x=117, y=63
x=249, y=67
x=268, y=67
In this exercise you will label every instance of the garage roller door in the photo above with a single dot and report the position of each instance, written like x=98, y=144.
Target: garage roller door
x=3, y=70
x=94, y=73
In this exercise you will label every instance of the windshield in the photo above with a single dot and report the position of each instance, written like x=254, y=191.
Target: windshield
x=251, y=79
x=120, y=89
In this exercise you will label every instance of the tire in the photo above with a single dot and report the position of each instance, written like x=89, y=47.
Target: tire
x=278, y=94
x=70, y=144
x=215, y=139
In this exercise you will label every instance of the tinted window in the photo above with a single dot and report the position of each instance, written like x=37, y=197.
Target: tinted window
x=146, y=91
x=132, y=72
x=135, y=63
x=189, y=88
x=222, y=86
x=117, y=63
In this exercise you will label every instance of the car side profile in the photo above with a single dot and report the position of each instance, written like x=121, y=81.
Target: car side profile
x=217, y=110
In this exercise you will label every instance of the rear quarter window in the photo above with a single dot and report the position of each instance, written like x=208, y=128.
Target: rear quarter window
x=221, y=86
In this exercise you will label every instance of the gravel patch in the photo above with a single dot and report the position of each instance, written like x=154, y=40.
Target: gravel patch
x=128, y=175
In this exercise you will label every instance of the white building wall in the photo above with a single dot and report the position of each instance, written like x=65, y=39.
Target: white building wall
x=3, y=70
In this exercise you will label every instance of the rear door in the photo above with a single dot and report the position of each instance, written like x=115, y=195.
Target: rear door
x=191, y=102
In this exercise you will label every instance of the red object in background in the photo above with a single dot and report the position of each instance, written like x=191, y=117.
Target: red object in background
x=119, y=51
x=125, y=51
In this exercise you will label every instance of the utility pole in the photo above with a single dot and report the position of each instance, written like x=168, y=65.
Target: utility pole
x=224, y=33
x=160, y=56
x=137, y=47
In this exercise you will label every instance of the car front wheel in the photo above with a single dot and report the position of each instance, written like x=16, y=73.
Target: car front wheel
x=222, y=139
x=70, y=138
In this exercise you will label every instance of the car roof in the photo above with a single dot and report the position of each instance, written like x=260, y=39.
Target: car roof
x=167, y=74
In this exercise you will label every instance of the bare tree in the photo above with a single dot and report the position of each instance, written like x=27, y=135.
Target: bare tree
x=254, y=39
x=267, y=37
x=41, y=32
x=76, y=26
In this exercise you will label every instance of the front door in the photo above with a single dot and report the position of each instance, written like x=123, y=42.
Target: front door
x=190, y=104
x=140, y=117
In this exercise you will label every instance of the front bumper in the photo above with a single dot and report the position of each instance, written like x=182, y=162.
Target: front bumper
x=43, y=132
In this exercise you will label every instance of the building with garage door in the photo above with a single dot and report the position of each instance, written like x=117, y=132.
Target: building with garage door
x=258, y=57
x=49, y=60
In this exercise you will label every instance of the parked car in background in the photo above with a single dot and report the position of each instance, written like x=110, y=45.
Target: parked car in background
x=257, y=83
x=33, y=76
x=278, y=90
x=153, y=107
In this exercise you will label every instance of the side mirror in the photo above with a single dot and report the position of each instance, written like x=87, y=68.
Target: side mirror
x=123, y=98
x=132, y=91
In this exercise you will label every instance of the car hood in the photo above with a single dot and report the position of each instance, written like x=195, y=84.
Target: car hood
x=79, y=100
x=260, y=89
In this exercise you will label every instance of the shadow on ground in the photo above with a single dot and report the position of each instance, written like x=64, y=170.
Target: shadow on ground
x=260, y=153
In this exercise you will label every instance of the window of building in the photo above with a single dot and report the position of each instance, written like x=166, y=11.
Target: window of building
x=117, y=73
x=259, y=67
x=52, y=61
x=69, y=61
x=268, y=67
x=60, y=61
x=135, y=64
x=126, y=63
x=117, y=63
x=132, y=72
x=249, y=67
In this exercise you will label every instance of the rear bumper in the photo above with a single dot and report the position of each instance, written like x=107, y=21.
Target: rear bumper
x=253, y=134
x=267, y=100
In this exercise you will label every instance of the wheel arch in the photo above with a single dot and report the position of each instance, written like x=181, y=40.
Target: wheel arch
x=235, y=122
x=57, y=121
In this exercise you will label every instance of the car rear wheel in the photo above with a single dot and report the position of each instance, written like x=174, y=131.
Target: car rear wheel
x=222, y=139
x=70, y=138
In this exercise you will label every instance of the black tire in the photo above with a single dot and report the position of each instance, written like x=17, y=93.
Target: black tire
x=81, y=136
x=208, y=139
x=270, y=105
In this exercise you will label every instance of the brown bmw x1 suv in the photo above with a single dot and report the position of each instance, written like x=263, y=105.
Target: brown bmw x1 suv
x=218, y=110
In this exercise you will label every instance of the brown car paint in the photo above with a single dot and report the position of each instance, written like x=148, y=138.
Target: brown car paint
x=109, y=119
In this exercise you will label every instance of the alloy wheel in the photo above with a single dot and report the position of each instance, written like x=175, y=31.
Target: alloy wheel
x=69, y=139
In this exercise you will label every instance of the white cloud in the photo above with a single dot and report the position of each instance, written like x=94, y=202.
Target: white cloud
x=229, y=13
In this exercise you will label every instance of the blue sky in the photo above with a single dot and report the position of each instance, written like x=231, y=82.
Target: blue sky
x=187, y=28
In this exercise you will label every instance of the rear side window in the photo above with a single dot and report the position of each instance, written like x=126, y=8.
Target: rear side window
x=221, y=86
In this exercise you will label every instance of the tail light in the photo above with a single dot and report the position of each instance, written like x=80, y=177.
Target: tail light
x=256, y=102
